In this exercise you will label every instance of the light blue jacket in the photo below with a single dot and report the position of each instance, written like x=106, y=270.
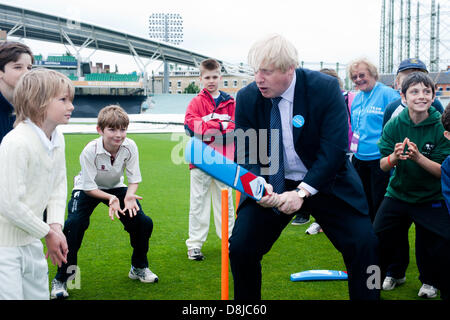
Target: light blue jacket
x=367, y=119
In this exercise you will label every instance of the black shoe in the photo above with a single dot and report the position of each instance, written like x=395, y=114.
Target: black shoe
x=299, y=220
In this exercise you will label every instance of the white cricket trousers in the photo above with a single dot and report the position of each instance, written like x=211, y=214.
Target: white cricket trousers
x=24, y=273
x=203, y=188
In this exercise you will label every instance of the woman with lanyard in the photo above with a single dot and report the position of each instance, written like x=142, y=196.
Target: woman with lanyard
x=367, y=119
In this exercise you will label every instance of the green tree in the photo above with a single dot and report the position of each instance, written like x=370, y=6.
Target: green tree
x=191, y=88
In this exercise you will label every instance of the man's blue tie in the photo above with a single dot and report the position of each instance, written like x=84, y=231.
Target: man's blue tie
x=276, y=179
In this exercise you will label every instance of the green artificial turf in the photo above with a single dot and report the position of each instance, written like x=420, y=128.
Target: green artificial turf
x=104, y=257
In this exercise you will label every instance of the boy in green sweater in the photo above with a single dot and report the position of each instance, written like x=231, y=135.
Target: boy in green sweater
x=414, y=144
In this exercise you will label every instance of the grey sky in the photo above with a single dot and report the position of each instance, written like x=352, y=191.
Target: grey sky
x=322, y=30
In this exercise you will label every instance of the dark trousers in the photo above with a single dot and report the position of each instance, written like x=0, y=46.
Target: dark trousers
x=80, y=208
x=432, y=223
x=399, y=259
x=374, y=180
x=256, y=229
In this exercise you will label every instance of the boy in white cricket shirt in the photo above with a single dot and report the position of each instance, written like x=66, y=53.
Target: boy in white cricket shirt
x=101, y=179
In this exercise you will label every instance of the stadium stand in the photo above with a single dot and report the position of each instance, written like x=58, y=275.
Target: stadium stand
x=61, y=59
x=89, y=106
x=111, y=77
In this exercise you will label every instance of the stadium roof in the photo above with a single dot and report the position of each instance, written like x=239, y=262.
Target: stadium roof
x=40, y=26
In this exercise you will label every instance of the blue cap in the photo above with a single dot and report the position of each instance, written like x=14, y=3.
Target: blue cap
x=412, y=63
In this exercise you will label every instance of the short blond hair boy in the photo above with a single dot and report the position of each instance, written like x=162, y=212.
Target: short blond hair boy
x=33, y=94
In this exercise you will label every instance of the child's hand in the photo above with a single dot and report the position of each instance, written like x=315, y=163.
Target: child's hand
x=131, y=204
x=56, y=248
x=413, y=152
x=114, y=207
x=58, y=229
x=399, y=150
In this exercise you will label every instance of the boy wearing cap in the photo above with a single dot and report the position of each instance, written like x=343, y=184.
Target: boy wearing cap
x=406, y=67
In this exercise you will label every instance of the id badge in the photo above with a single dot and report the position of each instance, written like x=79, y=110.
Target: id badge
x=354, y=143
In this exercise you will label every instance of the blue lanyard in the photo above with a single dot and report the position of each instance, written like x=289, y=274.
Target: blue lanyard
x=364, y=106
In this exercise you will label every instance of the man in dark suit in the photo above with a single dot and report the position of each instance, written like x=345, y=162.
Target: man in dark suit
x=316, y=175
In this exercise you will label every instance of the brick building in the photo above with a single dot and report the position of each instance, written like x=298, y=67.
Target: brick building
x=179, y=80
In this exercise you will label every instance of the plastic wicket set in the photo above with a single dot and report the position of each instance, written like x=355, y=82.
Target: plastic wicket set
x=308, y=275
x=243, y=181
x=225, y=265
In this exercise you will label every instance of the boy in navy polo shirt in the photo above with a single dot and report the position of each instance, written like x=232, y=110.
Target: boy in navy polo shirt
x=445, y=167
x=16, y=59
x=101, y=179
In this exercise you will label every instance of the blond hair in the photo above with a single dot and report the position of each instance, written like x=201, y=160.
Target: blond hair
x=112, y=116
x=370, y=66
x=273, y=50
x=34, y=92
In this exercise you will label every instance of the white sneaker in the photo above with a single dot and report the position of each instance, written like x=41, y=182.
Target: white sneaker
x=59, y=290
x=143, y=274
x=389, y=283
x=195, y=254
x=314, y=228
x=427, y=291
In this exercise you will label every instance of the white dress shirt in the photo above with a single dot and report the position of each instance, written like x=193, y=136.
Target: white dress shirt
x=294, y=169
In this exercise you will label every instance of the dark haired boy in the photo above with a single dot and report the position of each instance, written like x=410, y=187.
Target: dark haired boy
x=393, y=109
x=413, y=143
x=406, y=67
x=15, y=60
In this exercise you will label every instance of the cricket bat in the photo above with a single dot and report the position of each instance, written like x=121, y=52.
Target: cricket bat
x=223, y=169
x=314, y=275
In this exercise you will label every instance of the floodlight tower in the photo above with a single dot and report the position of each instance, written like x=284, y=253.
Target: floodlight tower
x=167, y=27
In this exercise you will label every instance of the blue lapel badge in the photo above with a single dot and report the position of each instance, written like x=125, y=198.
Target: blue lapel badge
x=298, y=121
